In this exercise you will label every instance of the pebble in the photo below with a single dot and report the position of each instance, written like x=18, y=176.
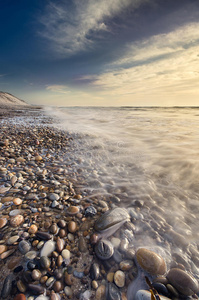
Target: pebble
x=36, y=274
x=24, y=246
x=13, y=239
x=68, y=291
x=16, y=220
x=110, y=276
x=111, y=220
x=48, y=248
x=17, y=201
x=73, y=210
x=90, y=211
x=119, y=278
x=113, y=292
x=3, y=222
x=3, y=248
x=30, y=254
x=184, y=282
x=82, y=245
x=146, y=295
x=126, y=265
x=33, y=229
x=54, y=197
x=115, y=242
x=20, y=297
x=151, y=261
x=7, y=286
x=45, y=262
x=95, y=271
x=72, y=226
x=100, y=293
x=104, y=249
x=66, y=254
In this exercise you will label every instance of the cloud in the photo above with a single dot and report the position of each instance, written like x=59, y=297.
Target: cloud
x=163, y=64
x=72, y=29
x=58, y=88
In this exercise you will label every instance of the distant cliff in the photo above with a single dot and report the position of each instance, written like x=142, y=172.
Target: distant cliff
x=7, y=99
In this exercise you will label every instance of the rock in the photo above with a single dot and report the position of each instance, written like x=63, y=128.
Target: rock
x=126, y=265
x=184, y=282
x=33, y=229
x=43, y=235
x=17, y=201
x=48, y=248
x=16, y=220
x=3, y=248
x=111, y=220
x=94, y=271
x=119, y=278
x=20, y=297
x=36, y=289
x=36, y=274
x=100, y=293
x=30, y=254
x=150, y=261
x=146, y=295
x=82, y=245
x=45, y=262
x=113, y=292
x=13, y=239
x=7, y=286
x=68, y=291
x=90, y=211
x=14, y=212
x=24, y=246
x=3, y=222
x=54, y=197
x=66, y=254
x=104, y=249
x=72, y=226
x=73, y=210
x=60, y=244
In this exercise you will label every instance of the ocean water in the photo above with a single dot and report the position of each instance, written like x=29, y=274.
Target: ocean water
x=149, y=159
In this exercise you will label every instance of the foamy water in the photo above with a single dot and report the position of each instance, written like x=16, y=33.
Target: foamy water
x=149, y=158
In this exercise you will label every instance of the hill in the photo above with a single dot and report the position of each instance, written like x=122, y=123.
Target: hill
x=7, y=99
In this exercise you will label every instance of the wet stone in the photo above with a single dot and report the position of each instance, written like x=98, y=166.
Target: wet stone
x=3, y=222
x=33, y=229
x=90, y=211
x=7, y=286
x=119, y=278
x=30, y=254
x=13, y=239
x=95, y=271
x=184, y=282
x=48, y=248
x=45, y=262
x=113, y=292
x=54, y=196
x=36, y=289
x=24, y=246
x=20, y=297
x=73, y=210
x=104, y=249
x=36, y=274
x=100, y=293
x=72, y=226
x=151, y=261
x=16, y=220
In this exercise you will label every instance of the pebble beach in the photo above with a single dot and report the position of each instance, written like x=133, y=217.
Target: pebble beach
x=57, y=242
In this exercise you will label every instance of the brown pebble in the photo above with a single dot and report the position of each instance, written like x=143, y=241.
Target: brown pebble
x=72, y=226
x=6, y=199
x=73, y=210
x=62, y=233
x=82, y=245
x=59, y=261
x=68, y=278
x=7, y=253
x=20, y=297
x=21, y=286
x=43, y=279
x=33, y=229
x=58, y=286
x=59, y=244
x=3, y=248
x=100, y=293
x=16, y=220
x=3, y=222
x=17, y=201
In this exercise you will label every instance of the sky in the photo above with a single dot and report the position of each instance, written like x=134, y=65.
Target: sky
x=100, y=52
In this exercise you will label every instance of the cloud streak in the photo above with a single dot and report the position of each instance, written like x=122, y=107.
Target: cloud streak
x=75, y=29
x=163, y=64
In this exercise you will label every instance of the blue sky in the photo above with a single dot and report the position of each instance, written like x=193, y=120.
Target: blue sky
x=100, y=52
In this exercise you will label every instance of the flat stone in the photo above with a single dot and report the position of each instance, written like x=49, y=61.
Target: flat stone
x=48, y=248
x=13, y=239
x=119, y=278
x=3, y=222
x=150, y=261
x=104, y=249
x=16, y=220
x=54, y=197
x=184, y=282
x=146, y=295
x=24, y=246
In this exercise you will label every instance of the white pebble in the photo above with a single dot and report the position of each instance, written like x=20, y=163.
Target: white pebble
x=68, y=291
x=66, y=254
x=48, y=248
x=116, y=242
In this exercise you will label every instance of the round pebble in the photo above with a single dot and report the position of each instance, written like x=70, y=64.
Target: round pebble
x=73, y=210
x=72, y=226
x=48, y=248
x=33, y=229
x=184, y=282
x=151, y=261
x=104, y=249
x=66, y=254
x=45, y=262
x=119, y=278
x=16, y=220
x=20, y=297
x=68, y=291
x=3, y=222
x=17, y=201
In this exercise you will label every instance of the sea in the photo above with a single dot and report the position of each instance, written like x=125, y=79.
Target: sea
x=148, y=159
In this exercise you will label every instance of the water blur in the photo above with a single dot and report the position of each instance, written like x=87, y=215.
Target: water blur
x=149, y=159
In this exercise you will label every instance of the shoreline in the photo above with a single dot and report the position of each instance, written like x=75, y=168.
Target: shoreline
x=44, y=213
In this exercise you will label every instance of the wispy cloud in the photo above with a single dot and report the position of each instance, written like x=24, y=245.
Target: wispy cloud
x=73, y=29
x=63, y=89
x=163, y=64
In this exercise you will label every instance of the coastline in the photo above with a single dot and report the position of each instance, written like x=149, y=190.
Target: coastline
x=49, y=245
